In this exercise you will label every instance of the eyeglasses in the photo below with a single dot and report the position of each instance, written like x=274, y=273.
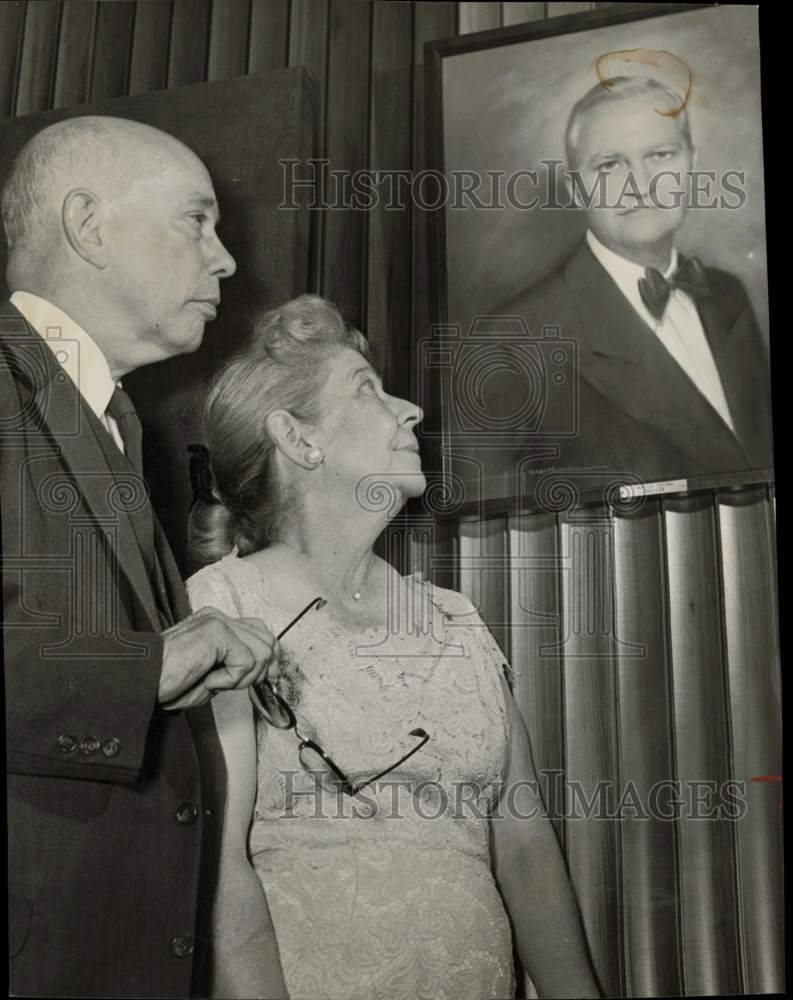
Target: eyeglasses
x=277, y=712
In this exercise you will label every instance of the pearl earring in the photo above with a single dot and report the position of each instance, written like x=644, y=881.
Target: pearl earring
x=316, y=456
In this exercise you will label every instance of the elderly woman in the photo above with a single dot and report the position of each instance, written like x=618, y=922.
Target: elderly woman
x=371, y=824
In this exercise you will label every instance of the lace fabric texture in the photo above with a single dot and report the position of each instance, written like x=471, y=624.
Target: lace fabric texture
x=387, y=895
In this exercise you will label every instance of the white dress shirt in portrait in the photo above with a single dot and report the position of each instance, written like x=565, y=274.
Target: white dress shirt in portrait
x=76, y=352
x=679, y=329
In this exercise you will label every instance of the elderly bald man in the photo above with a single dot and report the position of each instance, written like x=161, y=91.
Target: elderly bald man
x=114, y=263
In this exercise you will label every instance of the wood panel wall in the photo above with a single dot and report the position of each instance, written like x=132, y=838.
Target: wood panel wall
x=664, y=665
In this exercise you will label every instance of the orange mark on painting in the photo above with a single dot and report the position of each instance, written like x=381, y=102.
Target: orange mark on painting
x=666, y=63
x=767, y=777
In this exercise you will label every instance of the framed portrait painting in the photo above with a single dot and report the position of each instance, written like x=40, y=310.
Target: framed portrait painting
x=597, y=223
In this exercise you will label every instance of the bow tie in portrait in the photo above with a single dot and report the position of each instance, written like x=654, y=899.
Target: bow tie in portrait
x=655, y=289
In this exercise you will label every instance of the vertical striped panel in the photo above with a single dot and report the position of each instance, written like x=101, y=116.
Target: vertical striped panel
x=187, y=56
x=149, y=65
x=268, y=43
x=756, y=726
x=228, y=39
x=711, y=962
x=478, y=16
x=39, y=51
x=646, y=756
x=344, y=262
x=513, y=12
x=591, y=841
x=112, y=45
x=484, y=561
x=535, y=617
x=75, y=47
x=388, y=266
x=308, y=46
x=12, y=24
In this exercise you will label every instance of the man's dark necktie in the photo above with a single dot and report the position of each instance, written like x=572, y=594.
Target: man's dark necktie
x=655, y=289
x=121, y=409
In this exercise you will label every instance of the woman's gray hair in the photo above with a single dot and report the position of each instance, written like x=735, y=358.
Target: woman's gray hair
x=283, y=367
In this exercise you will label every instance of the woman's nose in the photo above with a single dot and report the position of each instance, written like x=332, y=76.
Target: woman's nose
x=412, y=414
x=408, y=414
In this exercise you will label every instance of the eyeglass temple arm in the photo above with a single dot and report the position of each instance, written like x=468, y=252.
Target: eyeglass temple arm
x=318, y=602
x=253, y=691
x=414, y=732
x=313, y=745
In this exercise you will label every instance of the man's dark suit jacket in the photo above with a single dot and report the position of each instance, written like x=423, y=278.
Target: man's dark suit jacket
x=637, y=411
x=108, y=824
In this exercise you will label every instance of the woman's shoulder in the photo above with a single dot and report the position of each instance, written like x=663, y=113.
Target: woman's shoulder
x=216, y=571
x=225, y=585
x=454, y=604
x=460, y=611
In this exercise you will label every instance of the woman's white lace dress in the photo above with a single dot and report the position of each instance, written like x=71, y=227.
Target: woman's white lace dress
x=388, y=894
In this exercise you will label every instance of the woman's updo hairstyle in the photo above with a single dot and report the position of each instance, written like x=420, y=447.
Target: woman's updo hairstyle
x=282, y=367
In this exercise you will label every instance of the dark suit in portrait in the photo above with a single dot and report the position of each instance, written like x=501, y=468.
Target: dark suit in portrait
x=107, y=819
x=638, y=412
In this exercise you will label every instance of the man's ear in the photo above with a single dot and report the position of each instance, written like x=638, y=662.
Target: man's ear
x=287, y=434
x=82, y=217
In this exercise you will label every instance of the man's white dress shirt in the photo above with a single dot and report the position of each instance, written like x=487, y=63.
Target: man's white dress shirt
x=679, y=329
x=76, y=352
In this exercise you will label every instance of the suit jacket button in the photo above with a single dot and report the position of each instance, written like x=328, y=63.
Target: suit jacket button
x=67, y=744
x=187, y=813
x=111, y=747
x=182, y=946
x=89, y=745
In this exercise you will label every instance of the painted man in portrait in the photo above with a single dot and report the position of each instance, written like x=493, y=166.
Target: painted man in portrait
x=672, y=373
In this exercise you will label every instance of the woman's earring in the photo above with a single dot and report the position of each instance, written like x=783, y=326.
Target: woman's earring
x=315, y=455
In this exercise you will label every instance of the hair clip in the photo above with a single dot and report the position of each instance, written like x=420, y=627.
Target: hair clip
x=201, y=476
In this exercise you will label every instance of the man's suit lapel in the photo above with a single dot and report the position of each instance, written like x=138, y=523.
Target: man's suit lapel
x=66, y=420
x=625, y=362
x=744, y=372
